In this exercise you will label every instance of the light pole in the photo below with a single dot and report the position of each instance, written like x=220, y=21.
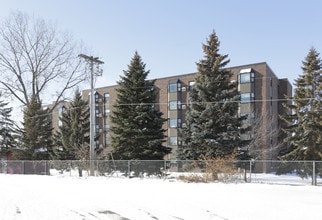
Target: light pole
x=91, y=61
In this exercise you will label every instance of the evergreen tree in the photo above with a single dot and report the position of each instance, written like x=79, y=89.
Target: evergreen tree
x=304, y=133
x=72, y=139
x=137, y=124
x=6, y=127
x=36, y=133
x=212, y=123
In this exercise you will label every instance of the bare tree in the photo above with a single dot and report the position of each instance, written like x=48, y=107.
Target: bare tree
x=37, y=60
x=264, y=133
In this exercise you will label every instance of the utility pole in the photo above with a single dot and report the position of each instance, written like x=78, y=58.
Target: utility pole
x=92, y=61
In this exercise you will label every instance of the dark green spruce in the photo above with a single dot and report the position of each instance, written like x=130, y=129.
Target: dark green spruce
x=72, y=139
x=137, y=122
x=304, y=131
x=6, y=128
x=36, y=136
x=212, y=120
x=304, y=121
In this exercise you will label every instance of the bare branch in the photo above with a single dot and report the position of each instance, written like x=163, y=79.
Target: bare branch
x=260, y=131
x=37, y=60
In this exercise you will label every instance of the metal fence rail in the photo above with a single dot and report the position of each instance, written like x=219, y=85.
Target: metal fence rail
x=275, y=172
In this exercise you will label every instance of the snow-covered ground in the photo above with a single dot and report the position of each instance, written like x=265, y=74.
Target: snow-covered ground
x=60, y=197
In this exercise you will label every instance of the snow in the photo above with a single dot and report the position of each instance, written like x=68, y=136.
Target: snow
x=65, y=197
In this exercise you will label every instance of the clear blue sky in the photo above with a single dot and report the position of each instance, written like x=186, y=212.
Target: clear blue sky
x=168, y=34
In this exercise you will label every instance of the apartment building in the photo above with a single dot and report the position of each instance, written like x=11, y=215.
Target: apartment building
x=262, y=95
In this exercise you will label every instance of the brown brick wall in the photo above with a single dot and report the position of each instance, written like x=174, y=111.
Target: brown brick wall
x=266, y=87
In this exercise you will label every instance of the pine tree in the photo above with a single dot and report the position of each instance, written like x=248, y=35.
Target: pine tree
x=36, y=133
x=137, y=124
x=6, y=128
x=212, y=123
x=72, y=139
x=304, y=133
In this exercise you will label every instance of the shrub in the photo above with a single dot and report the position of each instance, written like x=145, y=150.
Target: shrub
x=222, y=169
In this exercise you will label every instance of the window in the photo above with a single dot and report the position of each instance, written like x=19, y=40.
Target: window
x=96, y=97
x=106, y=97
x=191, y=83
x=246, y=97
x=97, y=112
x=151, y=88
x=107, y=127
x=179, y=104
x=61, y=110
x=173, y=141
x=247, y=121
x=173, y=105
x=174, y=86
x=175, y=122
x=246, y=76
x=107, y=113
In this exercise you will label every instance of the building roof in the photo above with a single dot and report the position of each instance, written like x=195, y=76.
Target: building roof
x=189, y=74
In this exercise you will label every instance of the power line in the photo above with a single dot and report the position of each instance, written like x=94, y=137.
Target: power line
x=210, y=102
x=180, y=103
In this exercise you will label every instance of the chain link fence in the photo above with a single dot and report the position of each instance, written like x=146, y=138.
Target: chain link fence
x=273, y=172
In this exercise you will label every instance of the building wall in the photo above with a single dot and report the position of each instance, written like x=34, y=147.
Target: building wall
x=173, y=105
x=173, y=96
x=56, y=113
x=104, y=100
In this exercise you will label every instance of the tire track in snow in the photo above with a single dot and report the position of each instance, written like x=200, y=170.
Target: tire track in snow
x=18, y=210
x=113, y=214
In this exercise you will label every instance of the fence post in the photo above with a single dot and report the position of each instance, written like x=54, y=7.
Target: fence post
x=70, y=168
x=129, y=168
x=97, y=171
x=313, y=175
x=250, y=171
x=45, y=168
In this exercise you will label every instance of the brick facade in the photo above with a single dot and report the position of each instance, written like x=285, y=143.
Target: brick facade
x=262, y=94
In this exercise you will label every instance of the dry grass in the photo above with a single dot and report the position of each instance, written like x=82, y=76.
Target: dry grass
x=210, y=170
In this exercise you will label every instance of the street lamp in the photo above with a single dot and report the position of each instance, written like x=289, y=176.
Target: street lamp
x=91, y=61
